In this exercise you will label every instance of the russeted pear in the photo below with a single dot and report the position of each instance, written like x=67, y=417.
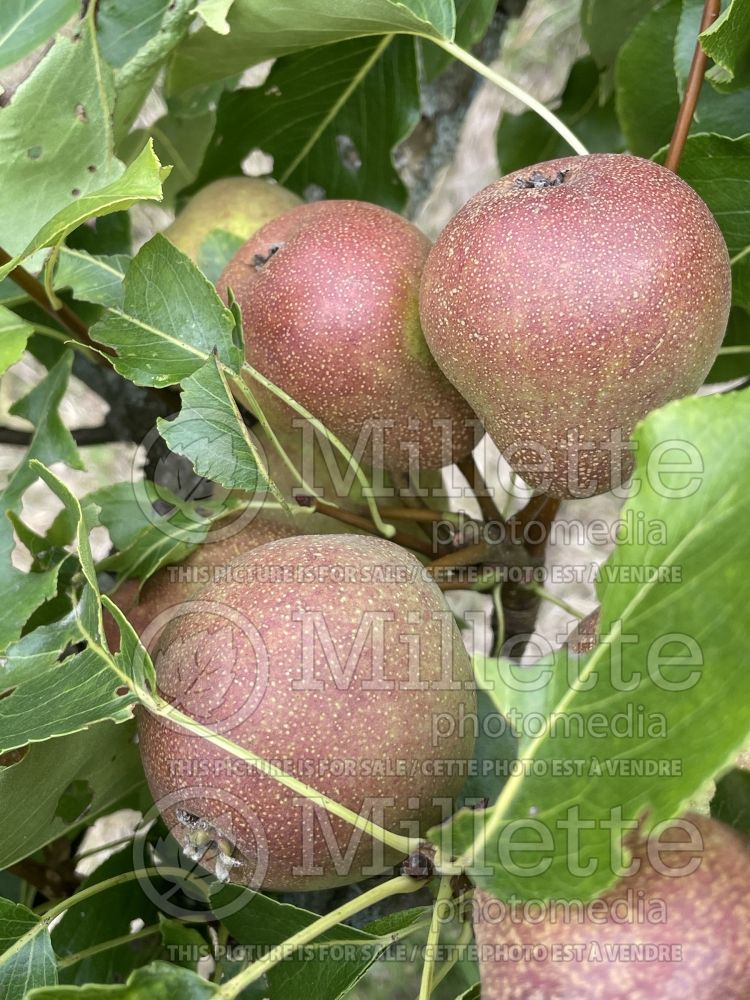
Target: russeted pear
x=329, y=298
x=333, y=657
x=172, y=586
x=567, y=300
x=677, y=928
x=237, y=205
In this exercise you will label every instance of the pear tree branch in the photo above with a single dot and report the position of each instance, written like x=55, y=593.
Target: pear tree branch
x=711, y=11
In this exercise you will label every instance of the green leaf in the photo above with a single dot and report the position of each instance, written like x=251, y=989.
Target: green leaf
x=26, y=957
x=260, y=31
x=719, y=170
x=158, y=981
x=87, y=688
x=473, y=993
x=62, y=699
x=669, y=657
x=645, y=85
x=156, y=38
x=734, y=358
x=22, y=592
x=527, y=138
x=148, y=540
x=164, y=544
x=56, y=138
x=473, y=19
x=214, y=13
x=607, y=24
x=37, y=648
x=727, y=42
x=141, y=182
x=103, y=761
x=14, y=332
x=211, y=433
x=216, y=251
x=723, y=113
x=52, y=441
x=125, y=26
x=263, y=923
x=24, y=24
x=105, y=917
x=171, y=322
x=180, y=139
x=126, y=509
x=92, y=278
x=106, y=235
x=183, y=942
x=340, y=121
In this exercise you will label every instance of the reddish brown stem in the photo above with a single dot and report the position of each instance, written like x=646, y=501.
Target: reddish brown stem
x=473, y=476
x=357, y=521
x=711, y=11
x=470, y=555
x=73, y=323
x=540, y=511
x=65, y=315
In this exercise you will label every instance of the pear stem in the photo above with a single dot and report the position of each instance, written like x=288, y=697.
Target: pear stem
x=471, y=472
x=157, y=706
x=711, y=11
x=9, y=955
x=515, y=91
x=433, y=940
x=541, y=510
x=462, y=943
x=366, y=524
x=385, y=529
x=545, y=595
x=396, y=886
x=64, y=314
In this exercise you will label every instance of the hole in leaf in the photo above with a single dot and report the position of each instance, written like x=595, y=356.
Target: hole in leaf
x=80, y=113
x=34, y=152
x=314, y=192
x=91, y=168
x=257, y=164
x=74, y=801
x=348, y=153
x=75, y=192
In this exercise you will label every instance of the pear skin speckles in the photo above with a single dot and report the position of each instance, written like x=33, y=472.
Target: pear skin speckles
x=565, y=312
x=333, y=657
x=652, y=935
x=332, y=317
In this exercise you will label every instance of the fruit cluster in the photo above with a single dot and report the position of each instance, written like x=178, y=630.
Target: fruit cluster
x=560, y=306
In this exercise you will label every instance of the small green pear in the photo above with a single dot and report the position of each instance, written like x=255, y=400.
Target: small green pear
x=237, y=205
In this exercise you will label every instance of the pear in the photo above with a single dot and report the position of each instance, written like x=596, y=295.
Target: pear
x=329, y=299
x=331, y=656
x=676, y=928
x=566, y=301
x=236, y=205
